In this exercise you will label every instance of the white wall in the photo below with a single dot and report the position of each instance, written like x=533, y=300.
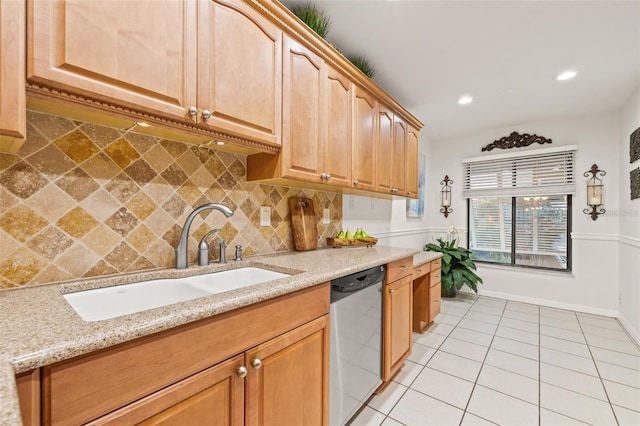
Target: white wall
x=629, y=224
x=593, y=286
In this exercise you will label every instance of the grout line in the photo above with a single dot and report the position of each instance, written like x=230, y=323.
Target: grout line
x=599, y=375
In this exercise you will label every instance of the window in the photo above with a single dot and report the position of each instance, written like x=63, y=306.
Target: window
x=520, y=208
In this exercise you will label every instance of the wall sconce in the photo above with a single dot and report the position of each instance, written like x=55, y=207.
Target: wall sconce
x=595, y=192
x=445, y=194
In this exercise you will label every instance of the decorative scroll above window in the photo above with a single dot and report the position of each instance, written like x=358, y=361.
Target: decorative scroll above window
x=516, y=140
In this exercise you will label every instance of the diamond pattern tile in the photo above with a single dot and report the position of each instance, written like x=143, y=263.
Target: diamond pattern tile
x=83, y=200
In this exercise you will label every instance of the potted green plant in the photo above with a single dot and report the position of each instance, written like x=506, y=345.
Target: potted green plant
x=314, y=18
x=458, y=265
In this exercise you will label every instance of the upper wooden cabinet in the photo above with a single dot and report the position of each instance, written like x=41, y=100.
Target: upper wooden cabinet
x=412, y=168
x=239, y=71
x=13, y=113
x=337, y=150
x=247, y=72
x=304, y=112
x=316, y=123
x=364, y=139
x=384, y=147
x=139, y=54
x=399, y=157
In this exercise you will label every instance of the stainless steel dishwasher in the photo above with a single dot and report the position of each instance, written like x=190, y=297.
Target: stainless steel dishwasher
x=356, y=342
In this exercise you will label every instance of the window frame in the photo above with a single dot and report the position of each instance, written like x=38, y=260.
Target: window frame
x=512, y=264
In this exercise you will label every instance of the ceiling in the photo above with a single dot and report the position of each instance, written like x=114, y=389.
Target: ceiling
x=505, y=54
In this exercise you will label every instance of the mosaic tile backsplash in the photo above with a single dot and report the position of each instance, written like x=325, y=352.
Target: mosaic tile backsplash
x=82, y=200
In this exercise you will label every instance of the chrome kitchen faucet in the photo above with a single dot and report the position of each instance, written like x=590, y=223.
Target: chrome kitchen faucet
x=182, y=251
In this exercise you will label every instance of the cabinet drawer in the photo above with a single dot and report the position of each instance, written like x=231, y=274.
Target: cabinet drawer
x=435, y=301
x=422, y=270
x=399, y=269
x=436, y=263
x=84, y=388
x=435, y=277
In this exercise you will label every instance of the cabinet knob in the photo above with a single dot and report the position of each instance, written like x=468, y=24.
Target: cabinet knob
x=402, y=267
x=394, y=190
x=206, y=114
x=256, y=363
x=356, y=182
x=241, y=371
x=392, y=291
x=328, y=176
x=323, y=176
x=193, y=111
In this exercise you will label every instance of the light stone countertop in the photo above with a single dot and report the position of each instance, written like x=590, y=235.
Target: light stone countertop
x=424, y=257
x=40, y=328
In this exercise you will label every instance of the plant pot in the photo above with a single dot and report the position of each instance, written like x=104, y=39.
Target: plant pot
x=451, y=293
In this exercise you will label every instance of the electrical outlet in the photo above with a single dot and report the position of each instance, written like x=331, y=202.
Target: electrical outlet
x=352, y=203
x=326, y=217
x=265, y=216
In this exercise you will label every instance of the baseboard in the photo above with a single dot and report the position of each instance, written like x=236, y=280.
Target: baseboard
x=550, y=303
x=633, y=333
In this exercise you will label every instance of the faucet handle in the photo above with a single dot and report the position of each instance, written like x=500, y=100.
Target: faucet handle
x=238, y=252
x=223, y=254
x=203, y=249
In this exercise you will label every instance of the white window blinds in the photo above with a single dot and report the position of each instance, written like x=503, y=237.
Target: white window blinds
x=541, y=172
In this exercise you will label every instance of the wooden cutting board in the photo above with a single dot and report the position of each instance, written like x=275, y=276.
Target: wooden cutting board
x=303, y=223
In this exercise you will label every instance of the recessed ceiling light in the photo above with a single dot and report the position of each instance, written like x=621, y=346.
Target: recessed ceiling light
x=567, y=75
x=465, y=100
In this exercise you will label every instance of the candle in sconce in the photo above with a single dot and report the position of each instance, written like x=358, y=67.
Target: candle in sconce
x=446, y=203
x=595, y=196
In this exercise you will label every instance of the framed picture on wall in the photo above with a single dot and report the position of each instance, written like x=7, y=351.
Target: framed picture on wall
x=634, y=146
x=415, y=208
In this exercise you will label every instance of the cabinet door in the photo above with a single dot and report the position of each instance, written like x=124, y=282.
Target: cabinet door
x=288, y=380
x=13, y=100
x=28, y=385
x=212, y=397
x=304, y=112
x=337, y=147
x=141, y=54
x=364, y=128
x=239, y=71
x=399, y=165
x=384, y=149
x=412, y=163
x=397, y=325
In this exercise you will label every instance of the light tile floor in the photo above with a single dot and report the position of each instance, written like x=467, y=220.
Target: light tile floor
x=489, y=361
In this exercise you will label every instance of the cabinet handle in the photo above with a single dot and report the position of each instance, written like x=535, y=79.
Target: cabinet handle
x=418, y=271
x=241, y=371
x=394, y=189
x=256, y=363
x=206, y=114
x=356, y=182
x=193, y=111
x=392, y=291
x=402, y=267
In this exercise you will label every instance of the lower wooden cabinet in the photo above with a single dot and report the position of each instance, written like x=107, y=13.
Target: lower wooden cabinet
x=281, y=382
x=288, y=378
x=266, y=363
x=435, y=298
x=397, y=323
x=426, y=294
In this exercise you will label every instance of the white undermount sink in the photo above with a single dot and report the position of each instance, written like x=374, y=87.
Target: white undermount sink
x=110, y=302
